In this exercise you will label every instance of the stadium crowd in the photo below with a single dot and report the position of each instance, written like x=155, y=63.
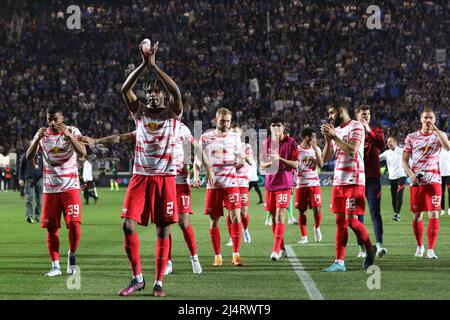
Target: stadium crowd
x=291, y=58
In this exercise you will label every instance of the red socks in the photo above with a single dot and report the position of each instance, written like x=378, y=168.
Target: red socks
x=53, y=244
x=74, y=236
x=302, y=219
x=215, y=239
x=245, y=221
x=131, y=245
x=418, y=231
x=341, y=236
x=278, y=237
x=169, y=256
x=236, y=235
x=317, y=219
x=360, y=231
x=189, y=237
x=229, y=226
x=162, y=254
x=432, y=232
x=273, y=231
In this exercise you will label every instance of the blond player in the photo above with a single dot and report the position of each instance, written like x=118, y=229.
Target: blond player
x=60, y=147
x=223, y=148
x=423, y=148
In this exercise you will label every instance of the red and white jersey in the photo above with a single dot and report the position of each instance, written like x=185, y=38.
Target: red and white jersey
x=155, y=144
x=349, y=170
x=60, y=161
x=223, y=154
x=424, y=151
x=307, y=175
x=243, y=173
x=184, y=138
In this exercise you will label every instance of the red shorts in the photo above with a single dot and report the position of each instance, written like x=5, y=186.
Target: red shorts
x=184, y=198
x=348, y=199
x=68, y=203
x=152, y=197
x=307, y=197
x=426, y=197
x=244, y=196
x=217, y=199
x=277, y=199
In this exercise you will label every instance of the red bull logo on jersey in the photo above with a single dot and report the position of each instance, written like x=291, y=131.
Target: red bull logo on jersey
x=426, y=149
x=56, y=150
x=152, y=126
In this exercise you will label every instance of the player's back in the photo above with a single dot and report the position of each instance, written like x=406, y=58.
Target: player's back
x=307, y=175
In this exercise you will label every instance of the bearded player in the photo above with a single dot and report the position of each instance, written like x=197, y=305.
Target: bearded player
x=223, y=148
x=344, y=138
x=423, y=148
x=60, y=147
x=307, y=191
x=151, y=194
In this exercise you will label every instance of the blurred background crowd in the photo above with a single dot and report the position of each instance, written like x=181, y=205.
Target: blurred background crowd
x=259, y=58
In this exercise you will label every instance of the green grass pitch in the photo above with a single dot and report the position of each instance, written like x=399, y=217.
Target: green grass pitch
x=104, y=266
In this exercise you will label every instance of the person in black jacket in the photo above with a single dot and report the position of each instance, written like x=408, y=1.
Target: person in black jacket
x=30, y=177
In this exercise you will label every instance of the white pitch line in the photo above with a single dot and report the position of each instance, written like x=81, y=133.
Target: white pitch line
x=304, y=277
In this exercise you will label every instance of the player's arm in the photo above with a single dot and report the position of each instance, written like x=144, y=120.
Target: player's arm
x=383, y=156
x=202, y=154
x=113, y=139
x=79, y=146
x=290, y=163
x=377, y=137
x=22, y=165
x=249, y=159
x=317, y=152
x=443, y=139
x=34, y=146
x=127, y=88
x=408, y=169
x=196, y=171
x=175, y=103
x=350, y=147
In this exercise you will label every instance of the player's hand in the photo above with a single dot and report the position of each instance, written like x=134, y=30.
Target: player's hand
x=88, y=140
x=274, y=157
x=365, y=125
x=196, y=183
x=210, y=177
x=328, y=131
x=41, y=133
x=63, y=128
x=433, y=126
x=21, y=183
x=414, y=180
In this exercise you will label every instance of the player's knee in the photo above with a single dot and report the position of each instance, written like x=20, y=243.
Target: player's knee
x=128, y=227
x=183, y=224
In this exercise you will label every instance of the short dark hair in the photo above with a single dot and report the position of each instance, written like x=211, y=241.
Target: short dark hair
x=307, y=132
x=54, y=109
x=235, y=125
x=154, y=83
x=362, y=107
x=277, y=119
x=393, y=137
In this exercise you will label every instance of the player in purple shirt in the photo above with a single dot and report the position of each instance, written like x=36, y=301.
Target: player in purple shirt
x=278, y=161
